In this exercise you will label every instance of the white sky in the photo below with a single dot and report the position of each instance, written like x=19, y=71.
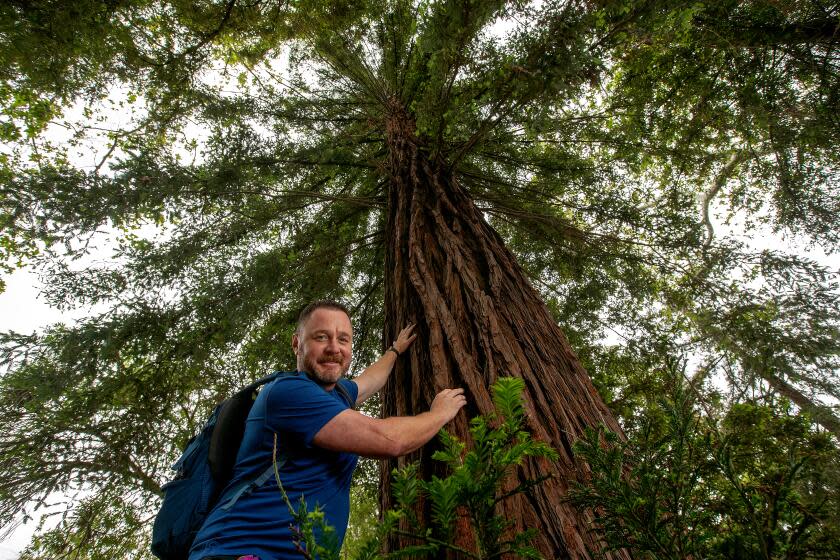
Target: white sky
x=22, y=311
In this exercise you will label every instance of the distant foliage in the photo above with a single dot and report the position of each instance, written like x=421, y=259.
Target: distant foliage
x=760, y=482
x=107, y=519
x=364, y=516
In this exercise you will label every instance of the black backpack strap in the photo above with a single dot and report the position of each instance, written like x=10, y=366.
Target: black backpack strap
x=344, y=393
x=230, y=427
x=263, y=380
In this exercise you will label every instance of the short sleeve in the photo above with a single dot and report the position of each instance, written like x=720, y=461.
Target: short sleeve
x=300, y=407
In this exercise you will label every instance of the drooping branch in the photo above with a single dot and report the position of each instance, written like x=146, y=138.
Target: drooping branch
x=820, y=413
x=706, y=198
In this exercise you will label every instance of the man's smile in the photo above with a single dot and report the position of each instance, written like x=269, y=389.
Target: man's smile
x=331, y=363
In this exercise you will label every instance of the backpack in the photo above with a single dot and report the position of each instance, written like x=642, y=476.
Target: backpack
x=204, y=471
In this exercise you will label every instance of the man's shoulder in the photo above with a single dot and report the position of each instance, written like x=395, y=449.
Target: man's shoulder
x=296, y=382
x=291, y=376
x=290, y=381
x=294, y=386
x=301, y=377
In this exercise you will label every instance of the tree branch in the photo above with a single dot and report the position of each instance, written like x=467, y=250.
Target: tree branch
x=720, y=180
x=821, y=414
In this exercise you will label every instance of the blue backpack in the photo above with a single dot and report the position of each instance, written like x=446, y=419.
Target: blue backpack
x=204, y=471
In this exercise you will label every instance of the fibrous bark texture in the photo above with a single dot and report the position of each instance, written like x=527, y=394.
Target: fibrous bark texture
x=478, y=318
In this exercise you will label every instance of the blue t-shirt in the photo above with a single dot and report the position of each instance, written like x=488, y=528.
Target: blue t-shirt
x=296, y=408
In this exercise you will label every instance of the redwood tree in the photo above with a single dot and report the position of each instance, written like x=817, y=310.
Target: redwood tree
x=479, y=318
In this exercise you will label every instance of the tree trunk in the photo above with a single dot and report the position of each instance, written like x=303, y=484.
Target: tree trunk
x=479, y=318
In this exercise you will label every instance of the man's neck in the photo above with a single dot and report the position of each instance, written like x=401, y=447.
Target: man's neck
x=326, y=386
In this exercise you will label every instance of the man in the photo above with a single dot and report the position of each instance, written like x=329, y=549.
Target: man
x=319, y=438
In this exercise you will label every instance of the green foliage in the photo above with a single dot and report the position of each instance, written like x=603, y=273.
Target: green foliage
x=476, y=480
x=760, y=482
x=110, y=530
x=699, y=81
x=478, y=476
x=364, y=519
x=313, y=536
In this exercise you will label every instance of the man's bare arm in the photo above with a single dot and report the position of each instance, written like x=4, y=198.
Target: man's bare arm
x=353, y=432
x=374, y=377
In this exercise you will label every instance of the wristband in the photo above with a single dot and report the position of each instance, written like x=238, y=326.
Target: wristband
x=394, y=349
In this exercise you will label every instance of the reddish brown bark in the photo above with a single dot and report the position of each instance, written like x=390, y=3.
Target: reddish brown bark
x=479, y=318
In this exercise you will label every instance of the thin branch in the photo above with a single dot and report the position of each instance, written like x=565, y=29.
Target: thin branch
x=438, y=542
x=720, y=180
x=210, y=36
x=524, y=487
x=367, y=202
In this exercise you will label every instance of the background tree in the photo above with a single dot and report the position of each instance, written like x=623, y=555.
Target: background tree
x=750, y=481
x=736, y=103
x=427, y=162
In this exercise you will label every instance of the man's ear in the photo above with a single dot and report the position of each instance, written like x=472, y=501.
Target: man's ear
x=295, y=343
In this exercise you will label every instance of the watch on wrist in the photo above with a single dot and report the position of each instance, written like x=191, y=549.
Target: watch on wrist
x=394, y=349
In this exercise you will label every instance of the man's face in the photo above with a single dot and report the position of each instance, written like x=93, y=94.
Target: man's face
x=324, y=346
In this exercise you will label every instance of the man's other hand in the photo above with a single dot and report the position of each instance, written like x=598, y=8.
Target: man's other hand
x=448, y=402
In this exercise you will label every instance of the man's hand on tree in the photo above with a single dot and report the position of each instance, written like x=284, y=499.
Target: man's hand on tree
x=404, y=339
x=448, y=402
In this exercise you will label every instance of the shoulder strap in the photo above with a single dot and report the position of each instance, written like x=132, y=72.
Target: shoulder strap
x=248, y=486
x=263, y=380
x=230, y=427
x=344, y=393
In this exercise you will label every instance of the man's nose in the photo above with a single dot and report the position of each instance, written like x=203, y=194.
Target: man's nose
x=332, y=345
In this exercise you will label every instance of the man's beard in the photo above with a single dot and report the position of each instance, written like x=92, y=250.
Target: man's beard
x=325, y=377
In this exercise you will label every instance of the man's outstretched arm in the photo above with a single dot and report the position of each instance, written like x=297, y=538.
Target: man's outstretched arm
x=353, y=432
x=374, y=377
